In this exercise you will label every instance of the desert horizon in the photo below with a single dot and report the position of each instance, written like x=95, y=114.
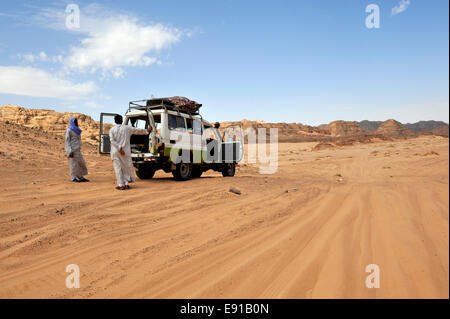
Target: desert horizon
x=50, y=120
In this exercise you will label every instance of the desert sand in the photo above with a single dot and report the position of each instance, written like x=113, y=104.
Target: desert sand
x=308, y=231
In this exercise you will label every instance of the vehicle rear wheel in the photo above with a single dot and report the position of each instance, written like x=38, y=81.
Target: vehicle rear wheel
x=229, y=170
x=183, y=171
x=196, y=171
x=145, y=172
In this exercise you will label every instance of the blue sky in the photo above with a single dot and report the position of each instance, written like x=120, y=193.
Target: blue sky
x=308, y=61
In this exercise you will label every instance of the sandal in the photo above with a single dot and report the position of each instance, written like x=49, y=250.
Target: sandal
x=120, y=188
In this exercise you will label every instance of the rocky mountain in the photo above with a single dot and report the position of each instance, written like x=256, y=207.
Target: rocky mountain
x=421, y=126
x=425, y=125
x=337, y=132
x=441, y=130
x=49, y=121
x=370, y=125
x=344, y=128
x=287, y=132
x=392, y=128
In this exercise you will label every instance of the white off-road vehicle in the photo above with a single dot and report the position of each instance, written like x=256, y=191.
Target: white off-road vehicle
x=181, y=142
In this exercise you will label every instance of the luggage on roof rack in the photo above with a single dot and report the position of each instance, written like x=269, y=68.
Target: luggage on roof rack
x=178, y=102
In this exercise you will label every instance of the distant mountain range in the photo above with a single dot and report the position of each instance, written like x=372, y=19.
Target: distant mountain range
x=417, y=127
x=338, y=132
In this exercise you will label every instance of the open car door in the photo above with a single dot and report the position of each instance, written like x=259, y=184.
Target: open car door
x=152, y=137
x=106, y=123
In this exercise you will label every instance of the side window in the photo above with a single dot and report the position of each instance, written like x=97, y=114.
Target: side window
x=181, y=126
x=172, y=122
x=176, y=123
x=189, y=125
x=197, y=129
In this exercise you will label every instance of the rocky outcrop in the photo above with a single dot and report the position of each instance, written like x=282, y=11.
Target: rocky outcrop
x=344, y=132
x=49, y=121
x=422, y=126
x=441, y=130
x=287, y=132
x=392, y=128
x=370, y=125
x=344, y=128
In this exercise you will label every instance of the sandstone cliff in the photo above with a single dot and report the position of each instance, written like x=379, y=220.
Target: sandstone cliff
x=49, y=121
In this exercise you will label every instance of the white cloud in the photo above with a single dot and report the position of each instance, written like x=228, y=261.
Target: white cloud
x=35, y=82
x=111, y=40
x=57, y=58
x=123, y=43
x=27, y=57
x=402, y=6
x=30, y=58
x=43, y=56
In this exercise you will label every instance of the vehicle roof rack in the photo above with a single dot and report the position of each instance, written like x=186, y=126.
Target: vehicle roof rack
x=158, y=104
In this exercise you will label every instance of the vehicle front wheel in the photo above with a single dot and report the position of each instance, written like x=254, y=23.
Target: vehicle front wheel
x=145, y=172
x=229, y=170
x=183, y=171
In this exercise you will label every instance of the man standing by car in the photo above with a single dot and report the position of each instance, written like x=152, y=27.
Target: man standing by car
x=119, y=137
x=73, y=151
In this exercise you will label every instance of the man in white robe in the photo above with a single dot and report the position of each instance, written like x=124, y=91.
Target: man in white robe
x=119, y=137
x=73, y=152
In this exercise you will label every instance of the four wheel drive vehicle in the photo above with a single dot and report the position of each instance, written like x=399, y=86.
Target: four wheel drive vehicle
x=181, y=141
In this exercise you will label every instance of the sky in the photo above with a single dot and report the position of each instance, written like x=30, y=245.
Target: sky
x=307, y=61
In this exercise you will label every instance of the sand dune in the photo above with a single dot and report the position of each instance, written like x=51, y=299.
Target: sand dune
x=307, y=231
